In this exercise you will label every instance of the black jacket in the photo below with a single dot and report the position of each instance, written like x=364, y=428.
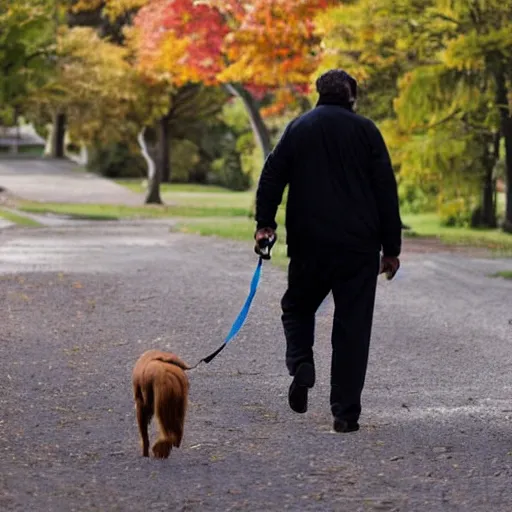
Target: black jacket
x=342, y=190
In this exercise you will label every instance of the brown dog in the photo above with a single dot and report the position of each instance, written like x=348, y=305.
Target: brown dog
x=160, y=387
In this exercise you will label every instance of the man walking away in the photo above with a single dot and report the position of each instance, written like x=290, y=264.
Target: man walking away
x=342, y=211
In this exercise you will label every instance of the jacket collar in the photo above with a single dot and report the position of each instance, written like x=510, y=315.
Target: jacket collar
x=335, y=100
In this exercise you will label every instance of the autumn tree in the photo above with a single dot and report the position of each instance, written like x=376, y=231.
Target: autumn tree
x=363, y=37
x=367, y=39
x=27, y=44
x=252, y=48
x=95, y=87
x=466, y=86
x=435, y=75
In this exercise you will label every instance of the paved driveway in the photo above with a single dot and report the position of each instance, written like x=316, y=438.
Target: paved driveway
x=57, y=181
x=80, y=305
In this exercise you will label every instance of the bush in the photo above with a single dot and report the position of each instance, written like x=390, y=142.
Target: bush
x=227, y=171
x=117, y=161
x=250, y=156
x=184, y=159
x=455, y=212
x=413, y=199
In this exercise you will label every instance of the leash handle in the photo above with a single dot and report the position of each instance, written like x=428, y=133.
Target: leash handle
x=265, y=246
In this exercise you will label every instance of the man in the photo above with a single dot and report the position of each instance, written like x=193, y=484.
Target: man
x=342, y=211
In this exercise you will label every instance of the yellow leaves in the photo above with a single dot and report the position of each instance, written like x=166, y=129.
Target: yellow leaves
x=464, y=53
x=362, y=38
x=112, y=8
x=469, y=50
x=86, y=5
x=85, y=44
x=170, y=59
x=94, y=84
x=170, y=62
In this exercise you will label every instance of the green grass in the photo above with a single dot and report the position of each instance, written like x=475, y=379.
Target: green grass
x=115, y=212
x=189, y=201
x=138, y=186
x=422, y=226
x=505, y=274
x=428, y=225
x=20, y=220
x=209, y=211
x=192, y=195
x=241, y=229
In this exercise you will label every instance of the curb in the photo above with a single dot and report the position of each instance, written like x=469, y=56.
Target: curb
x=4, y=224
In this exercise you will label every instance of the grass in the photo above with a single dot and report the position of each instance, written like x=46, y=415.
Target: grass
x=138, y=186
x=116, y=212
x=210, y=210
x=427, y=225
x=20, y=220
x=505, y=274
x=188, y=201
x=241, y=229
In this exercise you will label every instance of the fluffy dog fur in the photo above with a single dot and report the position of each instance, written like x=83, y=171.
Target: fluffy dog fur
x=160, y=387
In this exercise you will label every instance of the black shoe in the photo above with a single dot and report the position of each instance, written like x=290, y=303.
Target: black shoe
x=298, y=394
x=345, y=426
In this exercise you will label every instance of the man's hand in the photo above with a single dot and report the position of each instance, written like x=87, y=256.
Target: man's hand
x=389, y=265
x=265, y=238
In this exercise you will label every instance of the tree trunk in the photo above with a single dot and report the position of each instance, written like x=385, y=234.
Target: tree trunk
x=485, y=214
x=506, y=132
x=259, y=128
x=58, y=133
x=153, y=190
x=164, y=146
x=488, y=207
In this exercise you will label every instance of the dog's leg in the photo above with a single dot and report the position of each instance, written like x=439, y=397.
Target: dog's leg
x=180, y=419
x=143, y=420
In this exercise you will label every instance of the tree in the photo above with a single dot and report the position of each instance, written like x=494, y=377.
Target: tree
x=469, y=76
x=180, y=42
x=448, y=62
x=27, y=44
x=102, y=96
x=251, y=48
x=363, y=38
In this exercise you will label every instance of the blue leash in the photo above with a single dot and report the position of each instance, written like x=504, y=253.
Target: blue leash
x=240, y=319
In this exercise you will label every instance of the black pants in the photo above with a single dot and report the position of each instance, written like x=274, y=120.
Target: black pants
x=352, y=279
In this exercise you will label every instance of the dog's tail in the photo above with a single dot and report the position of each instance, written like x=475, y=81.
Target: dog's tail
x=174, y=359
x=170, y=405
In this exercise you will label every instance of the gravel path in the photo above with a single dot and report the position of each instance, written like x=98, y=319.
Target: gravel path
x=61, y=181
x=80, y=305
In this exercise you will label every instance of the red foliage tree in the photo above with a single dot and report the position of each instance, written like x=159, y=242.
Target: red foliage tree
x=253, y=48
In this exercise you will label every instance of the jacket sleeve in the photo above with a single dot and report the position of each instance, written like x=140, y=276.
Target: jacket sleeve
x=273, y=180
x=385, y=191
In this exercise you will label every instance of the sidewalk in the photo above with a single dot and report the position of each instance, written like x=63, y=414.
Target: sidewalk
x=61, y=181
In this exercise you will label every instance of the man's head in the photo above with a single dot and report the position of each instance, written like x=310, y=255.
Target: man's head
x=339, y=85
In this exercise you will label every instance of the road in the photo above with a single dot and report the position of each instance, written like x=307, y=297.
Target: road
x=80, y=304
x=61, y=181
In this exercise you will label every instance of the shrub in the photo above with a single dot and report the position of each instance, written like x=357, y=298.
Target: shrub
x=116, y=160
x=184, y=159
x=455, y=212
x=227, y=172
x=413, y=199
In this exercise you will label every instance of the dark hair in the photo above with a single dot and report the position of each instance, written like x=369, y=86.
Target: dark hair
x=337, y=83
